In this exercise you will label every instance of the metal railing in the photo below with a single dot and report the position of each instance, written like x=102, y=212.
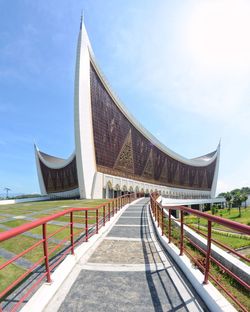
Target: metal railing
x=164, y=220
x=92, y=220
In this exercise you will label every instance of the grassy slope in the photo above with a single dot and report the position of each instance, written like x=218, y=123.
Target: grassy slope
x=20, y=243
x=9, y=274
x=224, y=213
x=233, y=242
x=17, y=245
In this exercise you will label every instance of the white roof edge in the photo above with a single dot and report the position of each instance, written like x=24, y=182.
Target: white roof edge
x=54, y=165
x=137, y=125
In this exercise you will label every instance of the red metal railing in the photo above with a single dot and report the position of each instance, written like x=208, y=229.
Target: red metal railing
x=92, y=221
x=163, y=217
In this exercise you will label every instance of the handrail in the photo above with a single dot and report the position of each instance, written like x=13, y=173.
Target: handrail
x=159, y=213
x=243, y=228
x=75, y=238
x=33, y=224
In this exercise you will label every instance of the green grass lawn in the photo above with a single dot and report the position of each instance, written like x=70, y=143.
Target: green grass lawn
x=233, y=242
x=9, y=274
x=44, y=208
x=20, y=243
x=62, y=235
x=59, y=205
x=17, y=245
x=233, y=215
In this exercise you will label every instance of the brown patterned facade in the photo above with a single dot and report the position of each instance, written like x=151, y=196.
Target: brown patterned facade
x=60, y=180
x=122, y=150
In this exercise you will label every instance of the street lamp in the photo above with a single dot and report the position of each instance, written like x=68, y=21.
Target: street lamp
x=7, y=192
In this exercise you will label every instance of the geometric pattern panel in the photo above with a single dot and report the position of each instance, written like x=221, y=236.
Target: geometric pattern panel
x=148, y=172
x=125, y=159
x=60, y=180
x=122, y=150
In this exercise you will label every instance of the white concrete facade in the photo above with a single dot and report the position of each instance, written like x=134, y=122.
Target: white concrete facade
x=123, y=184
x=84, y=141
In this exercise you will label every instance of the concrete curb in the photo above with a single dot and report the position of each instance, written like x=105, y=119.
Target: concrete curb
x=214, y=300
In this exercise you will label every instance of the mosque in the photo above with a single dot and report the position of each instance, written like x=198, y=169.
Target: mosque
x=114, y=154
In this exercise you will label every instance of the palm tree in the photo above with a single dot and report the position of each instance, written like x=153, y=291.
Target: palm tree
x=228, y=197
x=245, y=198
x=238, y=199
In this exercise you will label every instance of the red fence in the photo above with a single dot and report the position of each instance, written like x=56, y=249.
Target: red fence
x=92, y=220
x=165, y=222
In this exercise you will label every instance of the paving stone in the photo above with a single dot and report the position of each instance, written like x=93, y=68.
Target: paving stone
x=126, y=292
x=129, y=232
x=125, y=252
x=132, y=221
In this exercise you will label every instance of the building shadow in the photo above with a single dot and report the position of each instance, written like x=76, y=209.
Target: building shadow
x=165, y=295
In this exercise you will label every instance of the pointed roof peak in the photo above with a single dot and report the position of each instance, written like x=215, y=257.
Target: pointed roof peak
x=82, y=19
x=35, y=146
x=219, y=143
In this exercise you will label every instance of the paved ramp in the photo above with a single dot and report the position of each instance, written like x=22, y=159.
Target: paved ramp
x=128, y=271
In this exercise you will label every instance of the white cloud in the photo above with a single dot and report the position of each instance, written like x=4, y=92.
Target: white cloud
x=166, y=58
x=153, y=52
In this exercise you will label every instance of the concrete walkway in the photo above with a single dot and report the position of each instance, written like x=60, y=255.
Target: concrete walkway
x=128, y=271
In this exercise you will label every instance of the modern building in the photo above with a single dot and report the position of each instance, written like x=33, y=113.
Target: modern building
x=114, y=153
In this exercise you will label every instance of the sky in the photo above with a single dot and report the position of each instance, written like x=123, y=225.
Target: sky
x=182, y=68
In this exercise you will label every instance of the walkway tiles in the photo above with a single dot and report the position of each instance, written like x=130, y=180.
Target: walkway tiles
x=128, y=271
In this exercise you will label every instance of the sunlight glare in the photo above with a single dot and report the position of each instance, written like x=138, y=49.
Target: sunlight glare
x=217, y=34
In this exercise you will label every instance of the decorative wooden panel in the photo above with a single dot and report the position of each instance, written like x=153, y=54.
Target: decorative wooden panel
x=60, y=180
x=122, y=150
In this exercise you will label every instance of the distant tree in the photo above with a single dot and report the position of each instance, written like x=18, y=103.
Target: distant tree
x=235, y=191
x=244, y=198
x=245, y=190
x=228, y=196
x=238, y=200
x=221, y=194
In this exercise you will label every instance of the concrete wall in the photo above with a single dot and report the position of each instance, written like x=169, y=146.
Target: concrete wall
x=23, y=200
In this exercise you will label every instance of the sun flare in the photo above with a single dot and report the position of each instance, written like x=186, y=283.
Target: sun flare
x=217, y=34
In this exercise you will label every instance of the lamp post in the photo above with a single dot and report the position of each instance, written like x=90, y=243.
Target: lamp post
x=7, y=192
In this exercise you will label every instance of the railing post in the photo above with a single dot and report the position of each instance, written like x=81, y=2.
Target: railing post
x=96, y=221
x=71, y=233
x=158, y=214
x=169, y=225
x=104, y=214
x=156, y=211
x=86, y=226
x=162, y=221
x=209, y=232
x=182, y=235
x=109, y=211
x=45, y=250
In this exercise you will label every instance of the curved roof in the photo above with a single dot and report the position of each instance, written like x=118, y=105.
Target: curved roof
x=200, y=161
x=206, y=157
x=53, y=162
x=51, y=159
